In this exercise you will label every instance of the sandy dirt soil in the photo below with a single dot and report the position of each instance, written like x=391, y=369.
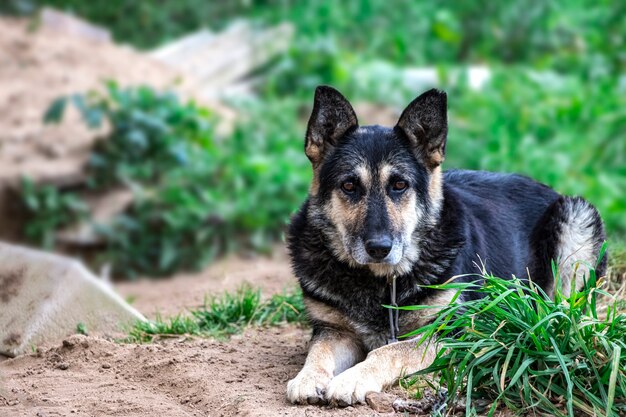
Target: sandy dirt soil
x=88, y=376
x=247, y=375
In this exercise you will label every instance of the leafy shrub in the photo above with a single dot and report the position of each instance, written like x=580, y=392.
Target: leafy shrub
x=238, y=192
x=518, y=347
x=196, y=195
x=47, y=210
x=150, y=132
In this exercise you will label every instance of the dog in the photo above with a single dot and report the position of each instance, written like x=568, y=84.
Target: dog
x=380, y=206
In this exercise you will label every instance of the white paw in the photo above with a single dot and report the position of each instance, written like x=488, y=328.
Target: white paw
x=308, y=387
x=351, y=386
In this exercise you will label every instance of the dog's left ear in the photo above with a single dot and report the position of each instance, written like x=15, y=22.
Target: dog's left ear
x=425, y=124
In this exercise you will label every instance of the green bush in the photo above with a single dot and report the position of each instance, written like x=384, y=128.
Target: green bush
x=238, y=192
x=196, y=195
x=47, y=209
x=150, y=132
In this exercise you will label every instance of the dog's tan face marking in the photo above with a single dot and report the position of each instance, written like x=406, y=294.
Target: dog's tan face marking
x=364, y=176
x=314, y=188
x=400, y=212
x=346, y=217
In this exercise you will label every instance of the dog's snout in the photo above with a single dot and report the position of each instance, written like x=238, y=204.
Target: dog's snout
x=378, y=248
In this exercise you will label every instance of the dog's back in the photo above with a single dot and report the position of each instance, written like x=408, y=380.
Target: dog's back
x=499, y=214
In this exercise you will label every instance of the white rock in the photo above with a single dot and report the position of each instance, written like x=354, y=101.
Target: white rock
x=43, y=298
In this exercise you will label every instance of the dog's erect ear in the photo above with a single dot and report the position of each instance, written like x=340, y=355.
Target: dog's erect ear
x=425, y=123
x=331, y=118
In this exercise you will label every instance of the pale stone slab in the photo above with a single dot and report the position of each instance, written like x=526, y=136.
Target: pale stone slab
x=43, y=298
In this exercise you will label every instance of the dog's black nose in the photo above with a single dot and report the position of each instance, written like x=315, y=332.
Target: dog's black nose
x=378, y=248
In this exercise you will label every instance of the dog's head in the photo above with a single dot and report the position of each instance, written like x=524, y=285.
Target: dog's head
x=375, y=188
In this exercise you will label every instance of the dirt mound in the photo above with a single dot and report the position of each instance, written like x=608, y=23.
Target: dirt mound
x=38, y=65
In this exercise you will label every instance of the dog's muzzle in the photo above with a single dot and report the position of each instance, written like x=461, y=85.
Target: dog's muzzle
x=376, y=250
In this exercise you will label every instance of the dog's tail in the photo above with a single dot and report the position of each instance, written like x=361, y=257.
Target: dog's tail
x=570, y=233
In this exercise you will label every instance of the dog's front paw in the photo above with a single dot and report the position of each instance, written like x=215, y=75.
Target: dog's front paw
x=308, y=387
x=351, y=386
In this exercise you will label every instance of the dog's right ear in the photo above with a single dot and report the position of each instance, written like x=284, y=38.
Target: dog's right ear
x=331, y=118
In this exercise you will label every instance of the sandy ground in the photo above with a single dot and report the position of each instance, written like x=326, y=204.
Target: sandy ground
x=247, y=375
x=88, y=376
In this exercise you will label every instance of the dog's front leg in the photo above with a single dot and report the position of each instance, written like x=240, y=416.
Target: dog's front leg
x=382, y=367
x=330, y=353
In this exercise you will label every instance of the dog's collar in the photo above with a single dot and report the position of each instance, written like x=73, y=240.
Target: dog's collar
x=393, y=312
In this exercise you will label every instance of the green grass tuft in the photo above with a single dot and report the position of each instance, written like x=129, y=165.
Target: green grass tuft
x=81, y=328
x=521, y=349
x=223, y=316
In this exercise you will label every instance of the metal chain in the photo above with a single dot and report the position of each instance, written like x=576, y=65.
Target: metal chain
x=393, y=312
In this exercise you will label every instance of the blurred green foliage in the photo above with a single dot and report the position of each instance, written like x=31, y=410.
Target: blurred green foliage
x=553, y=110
x=151, y=132
x=47, y=209
x=561, y=34
x=237, y=193
x=196, y=195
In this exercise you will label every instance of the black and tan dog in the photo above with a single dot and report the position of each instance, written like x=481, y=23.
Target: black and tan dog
x=380, y=206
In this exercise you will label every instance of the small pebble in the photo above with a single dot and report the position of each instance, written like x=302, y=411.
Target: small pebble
x=380, y=402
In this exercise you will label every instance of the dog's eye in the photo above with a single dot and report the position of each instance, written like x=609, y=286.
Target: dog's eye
x=400, y=186
x=348, y=187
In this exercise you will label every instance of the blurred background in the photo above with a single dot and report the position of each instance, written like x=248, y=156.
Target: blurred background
x=152, y=137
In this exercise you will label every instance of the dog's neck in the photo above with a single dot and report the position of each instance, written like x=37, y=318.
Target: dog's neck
x=438, y=243
x=435, y=191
